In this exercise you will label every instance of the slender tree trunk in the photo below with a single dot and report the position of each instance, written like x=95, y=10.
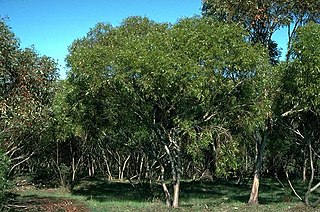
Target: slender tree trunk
x=89, y=168
x=107, y=163
x=141, y=167
x=255, y=190
x=312, y=169
x=73, y=169
x=306, y=196
x=260, y=147
x=176, y=191
x=310, y=188
x=165, y=188
x=75, y=165
x=304, y=171
x=175, y=166
x=167, y=194
x=176, y=186
x=124, y=167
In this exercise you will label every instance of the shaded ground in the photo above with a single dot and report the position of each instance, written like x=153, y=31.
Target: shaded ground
x=101, y=195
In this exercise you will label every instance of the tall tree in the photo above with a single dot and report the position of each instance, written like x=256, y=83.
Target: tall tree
x=299, y=105
x=262, y=18
x=27, y=88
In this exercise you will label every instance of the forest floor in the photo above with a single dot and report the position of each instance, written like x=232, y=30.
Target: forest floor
x=100, y=195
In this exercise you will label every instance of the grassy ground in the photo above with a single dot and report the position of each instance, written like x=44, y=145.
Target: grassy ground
x=99, y=195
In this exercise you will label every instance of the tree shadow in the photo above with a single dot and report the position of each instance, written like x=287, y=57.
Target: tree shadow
x=103, y=190
x=209, y=192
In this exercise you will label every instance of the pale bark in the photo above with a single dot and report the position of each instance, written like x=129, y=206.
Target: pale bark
x=165, y=188
x=260, y=147
x=291, y=186
x=255, y=190
x=304, y=171
x=175, y=164
x=310, y=189
x=107, y=164
x=124, y=167
x=176, y=191
x=166, y=194
x=74, y=169
x=17, y=164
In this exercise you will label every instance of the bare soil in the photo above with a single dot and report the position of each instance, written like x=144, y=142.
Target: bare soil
x=50, y=204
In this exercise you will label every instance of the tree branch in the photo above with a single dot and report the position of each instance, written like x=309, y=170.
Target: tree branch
x=291, y=112
x=21, y=162
x=294, y=191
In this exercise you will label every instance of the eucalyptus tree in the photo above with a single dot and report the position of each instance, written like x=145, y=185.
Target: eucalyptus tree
x=299, y=105
x=263, y=18
x=183, y=85
x=27, y=88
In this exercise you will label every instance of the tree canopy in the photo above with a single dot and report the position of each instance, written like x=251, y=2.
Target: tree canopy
x=183, y=83
x=27, y=88
x=263, y=18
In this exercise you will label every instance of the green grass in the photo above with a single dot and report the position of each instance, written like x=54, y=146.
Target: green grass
x=220, y=195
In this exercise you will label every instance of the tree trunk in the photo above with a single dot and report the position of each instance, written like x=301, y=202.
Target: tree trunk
x=166, y=194
x=255, y=190
x=165, y=188
x=260, y=147
x=124, y=167
x=304, y=171
x=175, y=166
x=310, y=188
x=176, y=191
x=73, y=169
x=107, y=164
x=307, y=194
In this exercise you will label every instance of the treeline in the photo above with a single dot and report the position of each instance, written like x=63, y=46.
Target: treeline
x=158, y=103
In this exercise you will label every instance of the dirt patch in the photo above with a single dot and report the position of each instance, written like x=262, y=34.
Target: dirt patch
x=49, y=204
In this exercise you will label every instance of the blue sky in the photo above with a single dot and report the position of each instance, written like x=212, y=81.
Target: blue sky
x=52, y=25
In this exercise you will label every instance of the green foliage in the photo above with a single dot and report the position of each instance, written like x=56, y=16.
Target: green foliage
x=298, y=102
x=275, y=13
x=27, y=87
x=144, y=96
x=305, y=68
x=300, y=81
x=197, y=81
x=263, y=18
x=4, y=167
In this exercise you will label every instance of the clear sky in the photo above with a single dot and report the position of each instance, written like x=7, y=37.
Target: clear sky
x=52, y=25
